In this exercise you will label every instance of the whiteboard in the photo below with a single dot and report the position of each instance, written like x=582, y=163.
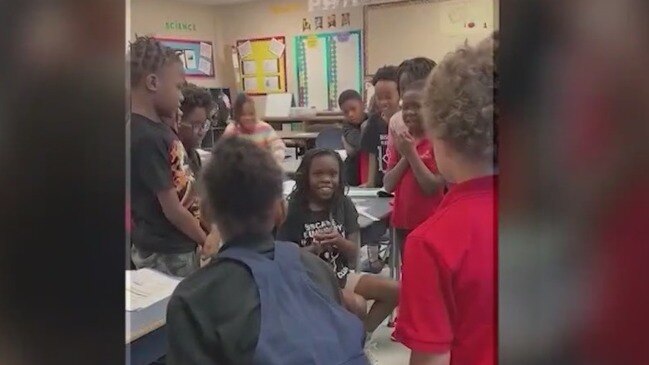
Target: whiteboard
x=426, y=28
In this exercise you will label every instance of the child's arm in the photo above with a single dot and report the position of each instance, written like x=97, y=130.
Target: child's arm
x=394, y=175
x=348, y=148
x=179, y=216
x=277, y=146
x=371, y=170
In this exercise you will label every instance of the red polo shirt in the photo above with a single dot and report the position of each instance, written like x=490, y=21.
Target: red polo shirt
x=411, y=205
x=447, y=298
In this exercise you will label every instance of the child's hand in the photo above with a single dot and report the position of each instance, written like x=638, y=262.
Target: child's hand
x=330, y=238
x=405, y=144
x=211, y=245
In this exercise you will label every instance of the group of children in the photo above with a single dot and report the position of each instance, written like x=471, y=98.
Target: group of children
x=282, y=289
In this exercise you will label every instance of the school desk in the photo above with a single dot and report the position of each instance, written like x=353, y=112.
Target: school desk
x=146, y=336
x=305, y=120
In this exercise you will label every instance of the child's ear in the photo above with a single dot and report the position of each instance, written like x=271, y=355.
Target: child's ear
x=151, y=82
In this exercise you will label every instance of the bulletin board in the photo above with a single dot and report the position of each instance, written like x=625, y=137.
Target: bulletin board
x=197, y=56
x=432, y=29
x=326, y=65
x=262, y=65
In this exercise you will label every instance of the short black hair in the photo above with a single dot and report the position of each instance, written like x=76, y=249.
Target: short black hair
x=386, y=73
x=418, y=67
x=196, y=97
x=147, y=55
x=237, y=107
x=242, y=182
x=349, y=95
x=418, y=85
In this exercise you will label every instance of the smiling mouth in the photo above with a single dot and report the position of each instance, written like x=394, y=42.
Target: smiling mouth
x=325, y=189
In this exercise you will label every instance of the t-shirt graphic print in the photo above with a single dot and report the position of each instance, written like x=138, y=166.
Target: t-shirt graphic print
x=332, y=256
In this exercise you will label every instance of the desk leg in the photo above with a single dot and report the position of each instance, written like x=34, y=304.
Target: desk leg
x=394, y=253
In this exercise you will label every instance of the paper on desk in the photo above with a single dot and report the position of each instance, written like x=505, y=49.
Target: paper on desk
x=146, y=287
x=362, y=210
x=363, y=192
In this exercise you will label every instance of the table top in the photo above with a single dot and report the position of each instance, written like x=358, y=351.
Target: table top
x=141, y=322
x=305, y=119
x=297, y=135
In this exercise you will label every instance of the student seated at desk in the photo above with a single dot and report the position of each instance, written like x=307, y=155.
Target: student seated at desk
x=324, y=221
x=259, y=302
x=166, y=231
x=351, y=103
x=246, y=125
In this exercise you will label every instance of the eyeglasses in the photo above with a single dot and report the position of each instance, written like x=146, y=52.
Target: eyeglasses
x=202, y=128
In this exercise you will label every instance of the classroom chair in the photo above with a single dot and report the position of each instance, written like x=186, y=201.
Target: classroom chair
x=330, y=137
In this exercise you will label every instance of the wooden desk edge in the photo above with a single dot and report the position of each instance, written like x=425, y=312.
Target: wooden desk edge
x=145, y=330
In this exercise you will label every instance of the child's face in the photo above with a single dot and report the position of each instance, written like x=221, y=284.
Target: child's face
x=167, y=87
x=248, y=117
x=353, y=110
x=193, y=127
x=387, y=97
x=324, y=177
x=411, y=109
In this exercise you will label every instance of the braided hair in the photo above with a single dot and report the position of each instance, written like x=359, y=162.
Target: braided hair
x=147, y=55
x=300, y=194
x=418, y=68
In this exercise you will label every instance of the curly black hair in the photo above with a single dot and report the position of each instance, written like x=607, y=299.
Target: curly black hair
x=418, y=68
x=302, y=186
x=147, y=55
x=195, y=97
x=386, y=73
x=349, y=94
x=242, y=182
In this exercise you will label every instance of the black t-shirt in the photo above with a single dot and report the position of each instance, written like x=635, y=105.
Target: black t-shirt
x=302, y=224
x=374, y=140
x=158, y=162
x=213, y=316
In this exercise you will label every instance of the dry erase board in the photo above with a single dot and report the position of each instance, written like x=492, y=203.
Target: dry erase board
x=197, y=56
x=327, y=64
x=427, y=28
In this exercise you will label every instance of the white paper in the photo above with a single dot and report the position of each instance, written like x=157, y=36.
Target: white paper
x=288, y=185
x=363, y=211
x=343, y=154
x=276, y=47
x=271, y=82
x=206, y=50
x=250, y=84
x=205, y=66
x=245, y=49
x=278, y=105
x=249, y=67
x=363, y=192
x=146, y=287
x=190, y=57
x=271, y=66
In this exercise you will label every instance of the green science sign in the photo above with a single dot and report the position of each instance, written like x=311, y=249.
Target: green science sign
x=177, y=25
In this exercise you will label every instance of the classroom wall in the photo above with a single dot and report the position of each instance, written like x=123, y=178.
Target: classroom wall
x=225, y=24
x=148, y=17
x=277, y=17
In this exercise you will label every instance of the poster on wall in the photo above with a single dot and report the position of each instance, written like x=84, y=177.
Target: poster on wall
x=197, y=56
x=261, y=65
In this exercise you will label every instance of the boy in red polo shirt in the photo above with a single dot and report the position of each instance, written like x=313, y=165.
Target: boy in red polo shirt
x=447, y=312
x=411, y=176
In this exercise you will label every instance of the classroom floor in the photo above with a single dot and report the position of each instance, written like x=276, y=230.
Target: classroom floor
x=388, y=352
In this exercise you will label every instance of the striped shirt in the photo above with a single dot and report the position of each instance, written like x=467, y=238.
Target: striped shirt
x=263, y=135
